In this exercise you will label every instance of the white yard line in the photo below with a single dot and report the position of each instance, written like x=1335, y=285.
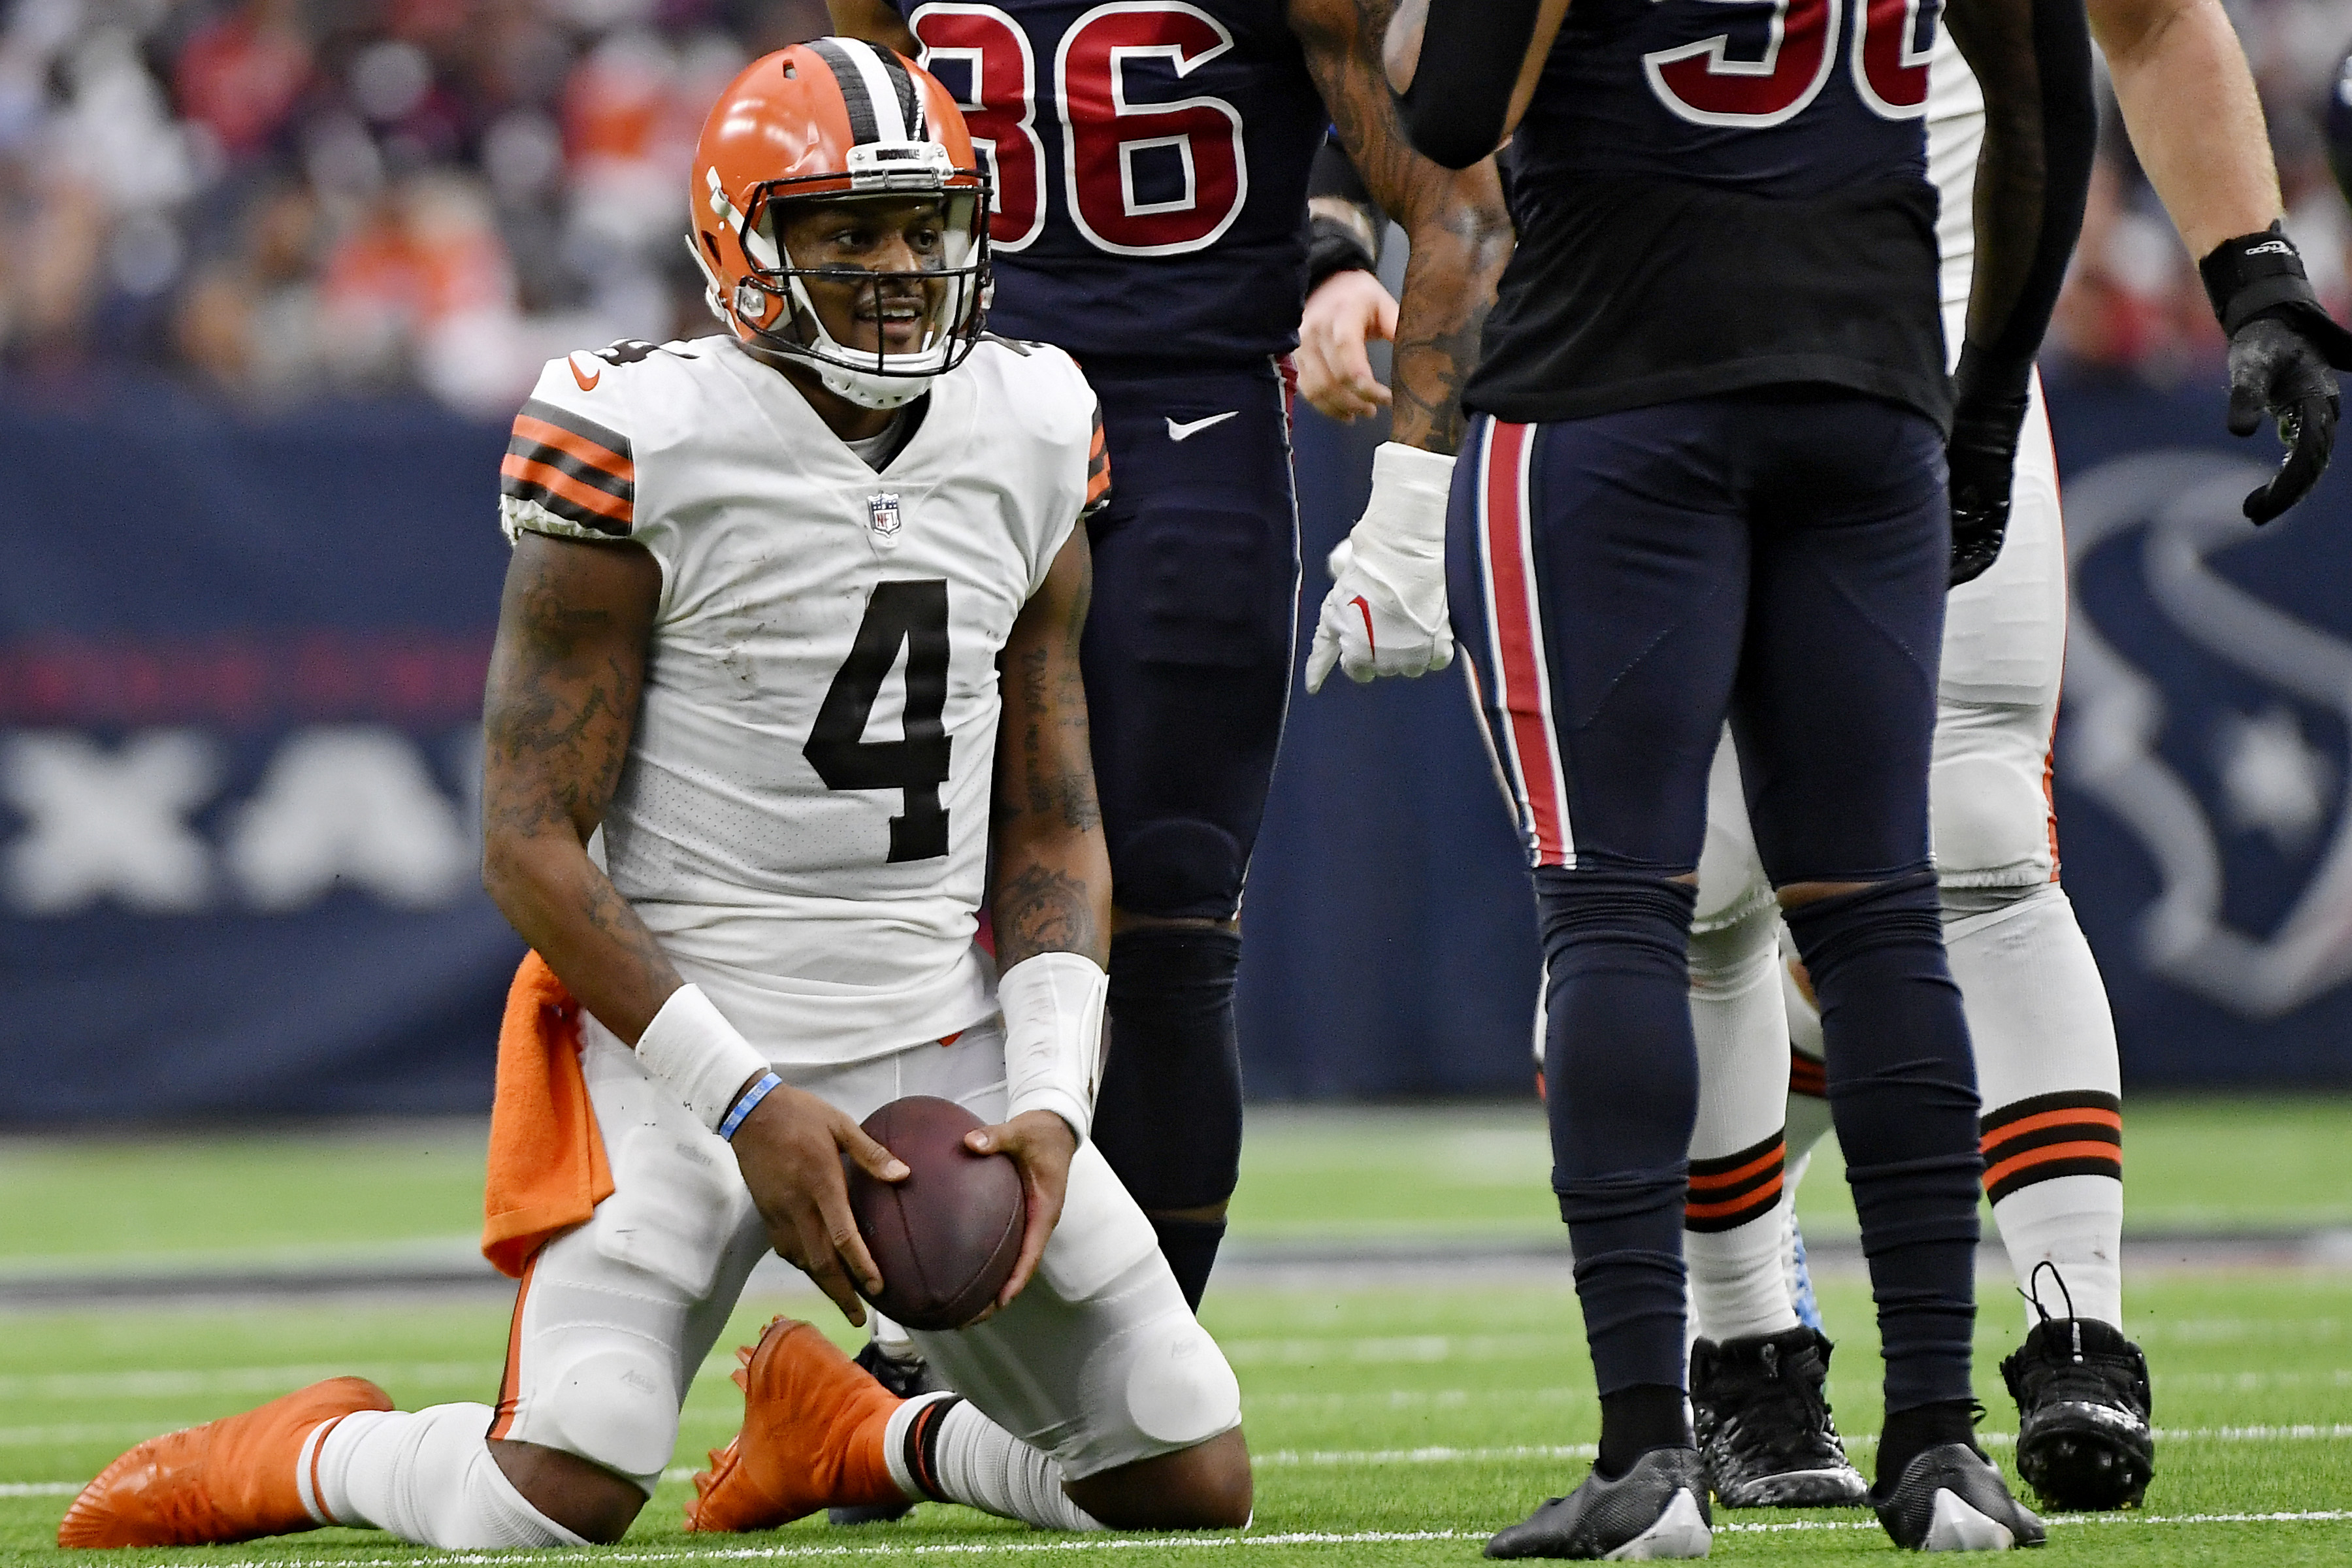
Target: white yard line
x=1037, y=1544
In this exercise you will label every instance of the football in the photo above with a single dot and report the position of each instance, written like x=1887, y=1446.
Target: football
x=946, y=1238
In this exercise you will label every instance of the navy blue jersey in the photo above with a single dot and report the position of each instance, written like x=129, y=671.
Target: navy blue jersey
x=1780, y=97
x=1714, y=194
x=1150, y=161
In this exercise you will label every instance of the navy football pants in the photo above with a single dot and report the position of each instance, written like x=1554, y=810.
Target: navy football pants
x=1187, y=659
x=1187, y=651
x=1620, y=584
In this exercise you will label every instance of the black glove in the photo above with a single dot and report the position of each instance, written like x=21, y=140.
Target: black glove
x=2282, y=345
x=1988, y=411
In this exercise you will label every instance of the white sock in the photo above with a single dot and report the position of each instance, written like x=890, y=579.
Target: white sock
x=972, y=1460
x=1733, y=1230
x=890, y=1339
x=1808, y=1113
x=425, y=1476
x=2047, y=1074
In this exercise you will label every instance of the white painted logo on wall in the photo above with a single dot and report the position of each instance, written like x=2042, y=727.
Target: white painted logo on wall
x=339, y=806
x=2271, y=778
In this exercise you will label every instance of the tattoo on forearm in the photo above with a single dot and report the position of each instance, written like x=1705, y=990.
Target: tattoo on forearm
x=1040, y=909
x=1057, y=778
x=1461, y=235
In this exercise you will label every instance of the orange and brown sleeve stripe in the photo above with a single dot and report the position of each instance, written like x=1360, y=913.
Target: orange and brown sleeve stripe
x=574, y=467
x=1098, y=469
x=2076, y=1133
x=1730, y=1190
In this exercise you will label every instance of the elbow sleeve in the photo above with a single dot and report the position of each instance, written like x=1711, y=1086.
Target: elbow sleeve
x=2068, y=121
x=1461, y=94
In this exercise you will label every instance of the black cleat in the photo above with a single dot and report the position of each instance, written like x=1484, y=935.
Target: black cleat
x=1765, y=1436
x=1951, y=1499
x=1656, y=1510
x=2082, y=1404
x=906, y=1379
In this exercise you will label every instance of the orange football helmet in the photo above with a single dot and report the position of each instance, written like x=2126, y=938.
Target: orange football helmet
x=838, y=119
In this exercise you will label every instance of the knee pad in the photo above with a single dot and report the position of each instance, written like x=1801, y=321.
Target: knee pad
x=1178, y=868
x=1836, y=933
x=1729, y=958
x=616, y=1405
x=1178, y=1388
x=1169, y=1114
x=1988, y=797
x=1588, y=913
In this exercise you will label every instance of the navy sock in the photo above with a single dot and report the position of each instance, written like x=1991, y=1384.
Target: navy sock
x=1911, y=1433
x=1191, y=1247
x=1636, y=1420
x=1169, y=1118
x=1903, y=1094
x=1621, y=1075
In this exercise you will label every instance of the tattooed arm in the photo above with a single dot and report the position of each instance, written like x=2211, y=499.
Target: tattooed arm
x=565, y=675
x=1460, y=233
x=569, y=659
x=1052, y=893
x=1050, y=899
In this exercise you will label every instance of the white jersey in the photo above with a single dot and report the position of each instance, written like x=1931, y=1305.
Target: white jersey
x=803, y=818
x=1956, y=127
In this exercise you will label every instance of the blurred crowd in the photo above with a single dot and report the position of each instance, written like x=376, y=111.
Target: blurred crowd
x=2133, y=305
x=281, y=198
x=277, y=199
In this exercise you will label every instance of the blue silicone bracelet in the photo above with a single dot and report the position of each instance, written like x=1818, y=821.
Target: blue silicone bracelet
x=744, y=1107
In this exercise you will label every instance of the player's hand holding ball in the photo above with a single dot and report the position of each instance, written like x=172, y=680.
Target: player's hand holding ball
x=1386, y=613
x=1041, y=1145
x=790, y=1148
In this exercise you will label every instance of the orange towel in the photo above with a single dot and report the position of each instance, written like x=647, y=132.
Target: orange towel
x=547, y=1167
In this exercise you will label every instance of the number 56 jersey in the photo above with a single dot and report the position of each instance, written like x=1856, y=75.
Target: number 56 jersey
x=802, y=820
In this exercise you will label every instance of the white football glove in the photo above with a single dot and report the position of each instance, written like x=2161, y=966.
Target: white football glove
x=1385, y=613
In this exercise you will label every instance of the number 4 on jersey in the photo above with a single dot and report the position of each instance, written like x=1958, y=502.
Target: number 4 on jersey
x=915, y=613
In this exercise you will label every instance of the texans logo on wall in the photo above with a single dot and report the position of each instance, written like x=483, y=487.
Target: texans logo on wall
x=2205, y=743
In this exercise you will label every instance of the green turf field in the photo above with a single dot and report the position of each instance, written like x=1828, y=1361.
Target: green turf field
x=1390, y=1425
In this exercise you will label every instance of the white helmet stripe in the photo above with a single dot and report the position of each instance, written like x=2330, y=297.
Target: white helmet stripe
x=889, y=117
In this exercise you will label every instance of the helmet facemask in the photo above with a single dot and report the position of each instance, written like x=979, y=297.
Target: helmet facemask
x=940, y=302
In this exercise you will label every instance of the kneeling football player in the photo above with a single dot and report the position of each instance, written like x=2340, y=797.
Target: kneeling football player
x=775, y=596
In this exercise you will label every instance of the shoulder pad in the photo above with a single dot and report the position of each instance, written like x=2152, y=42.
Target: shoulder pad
x=570, y=468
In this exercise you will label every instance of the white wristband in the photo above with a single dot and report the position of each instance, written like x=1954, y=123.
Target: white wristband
x=689, y=1047
x=1410, y=489
x=1053, y=1006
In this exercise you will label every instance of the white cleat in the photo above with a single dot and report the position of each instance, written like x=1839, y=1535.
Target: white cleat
x=1951, y=1499
x=1680, y=1533
x=1957, y=1527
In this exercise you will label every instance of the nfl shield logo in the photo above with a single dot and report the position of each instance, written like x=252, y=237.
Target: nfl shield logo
x=882, y=514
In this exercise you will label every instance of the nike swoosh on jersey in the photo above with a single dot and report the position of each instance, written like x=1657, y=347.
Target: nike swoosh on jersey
x=1185, y=432
x=587, y=383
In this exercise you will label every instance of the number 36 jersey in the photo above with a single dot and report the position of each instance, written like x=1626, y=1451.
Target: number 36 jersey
x=802, y=820
x=1150, y=161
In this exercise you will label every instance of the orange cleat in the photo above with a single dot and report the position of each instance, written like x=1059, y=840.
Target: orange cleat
x=230, y=1480
x=811, y=1436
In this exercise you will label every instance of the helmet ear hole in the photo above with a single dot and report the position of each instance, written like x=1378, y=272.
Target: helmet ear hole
x=710, y=245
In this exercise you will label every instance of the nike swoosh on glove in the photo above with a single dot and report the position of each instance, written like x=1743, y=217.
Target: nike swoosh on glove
x=1982, y=454
x=1386, y=614
x=2277, y=371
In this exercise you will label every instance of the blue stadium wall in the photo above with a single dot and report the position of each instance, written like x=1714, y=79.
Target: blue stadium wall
x=240, y=673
